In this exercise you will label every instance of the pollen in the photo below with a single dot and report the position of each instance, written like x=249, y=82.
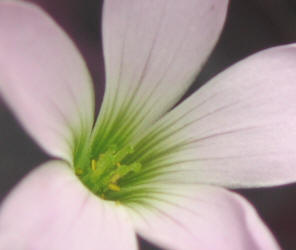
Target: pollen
x=115, y=178
x=114, y=187
x=104, y=175
x=93, y=164
x=78, y=171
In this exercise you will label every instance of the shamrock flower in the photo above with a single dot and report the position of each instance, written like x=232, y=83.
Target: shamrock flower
x=144, y=166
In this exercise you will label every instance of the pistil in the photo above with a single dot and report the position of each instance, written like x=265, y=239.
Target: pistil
x=105, y=172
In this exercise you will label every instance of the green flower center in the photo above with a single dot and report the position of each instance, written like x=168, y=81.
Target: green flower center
x=104, y=173
x=123, y=161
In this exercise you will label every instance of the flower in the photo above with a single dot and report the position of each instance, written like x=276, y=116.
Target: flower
x=144, y=166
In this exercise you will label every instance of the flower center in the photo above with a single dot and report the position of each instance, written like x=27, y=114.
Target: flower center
x=104, y=173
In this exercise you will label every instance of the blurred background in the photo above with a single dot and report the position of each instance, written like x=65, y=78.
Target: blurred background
x=250, y=26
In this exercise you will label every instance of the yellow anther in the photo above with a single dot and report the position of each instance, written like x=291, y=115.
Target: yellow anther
x=117, y=203
x=115, y=178
x=78, y=171
x=114, y=187
x=93, y=164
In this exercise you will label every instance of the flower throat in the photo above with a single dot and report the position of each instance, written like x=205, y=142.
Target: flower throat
x=104, y=173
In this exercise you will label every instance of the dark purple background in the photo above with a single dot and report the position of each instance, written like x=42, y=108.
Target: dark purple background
x=251, y=26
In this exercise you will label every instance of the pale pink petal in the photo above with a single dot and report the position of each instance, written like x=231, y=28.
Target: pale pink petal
x=50, y=209
x=153, y=50
x=44, y=79
x=210, y=219
x=239, y=130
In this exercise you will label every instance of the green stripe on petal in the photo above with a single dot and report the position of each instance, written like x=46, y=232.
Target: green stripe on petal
x=44, y=80
x=152, y=54
x=236, y=131
x=153, y=50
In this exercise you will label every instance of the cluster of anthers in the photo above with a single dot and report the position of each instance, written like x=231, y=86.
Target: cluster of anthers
x=104, y=173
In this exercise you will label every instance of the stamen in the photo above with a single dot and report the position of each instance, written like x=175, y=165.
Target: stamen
x=125, y=169
x=93, y=164
x=105, y=172
x=78, y=171
x=121, y=154
x=114, y=187
x=115, y=178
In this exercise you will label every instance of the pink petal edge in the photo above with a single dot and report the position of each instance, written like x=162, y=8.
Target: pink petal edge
x=240, y=128
x=153, y=50
x=50, y=209
x=212, y=218
x=44, y=79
